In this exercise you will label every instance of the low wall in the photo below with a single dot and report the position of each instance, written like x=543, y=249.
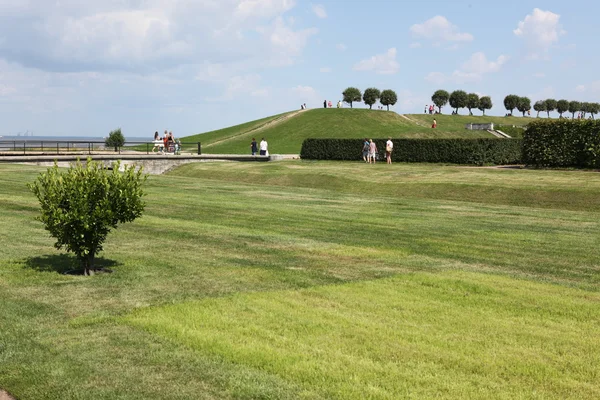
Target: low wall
x=480, y=127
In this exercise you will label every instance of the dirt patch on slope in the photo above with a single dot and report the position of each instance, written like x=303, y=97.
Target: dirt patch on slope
x=5, y=396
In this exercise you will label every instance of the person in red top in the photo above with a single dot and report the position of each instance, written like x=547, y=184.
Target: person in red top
x=434, y=125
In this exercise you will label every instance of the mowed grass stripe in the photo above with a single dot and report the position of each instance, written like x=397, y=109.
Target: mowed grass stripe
x=449, y=335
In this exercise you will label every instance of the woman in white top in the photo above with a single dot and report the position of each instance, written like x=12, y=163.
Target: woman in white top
x=264, y=147
x=389, y=147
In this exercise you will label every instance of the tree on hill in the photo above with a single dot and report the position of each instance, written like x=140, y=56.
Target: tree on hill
x=550, y=106
x=115, y=139
x=440, y=99
x=371, y=96
x=524, y=105
x=352, y=95
x=539, y=106
x=81, y=205
x=562, y=106
x=574, y=106
x=472, y=102
x=458, y=99
x=485, y=103
x=584, y=108
x=510, y=102
x=388, y=98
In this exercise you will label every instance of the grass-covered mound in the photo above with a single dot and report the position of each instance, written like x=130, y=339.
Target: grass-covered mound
x=313, y=280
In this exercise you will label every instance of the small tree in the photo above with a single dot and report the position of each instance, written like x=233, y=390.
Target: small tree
x=510, y=102
x=440, y=99
x=388, y=98
x=485, y=103
x=550, y=106
x=458, y=99
x=524, y=104
x=574, y=106
x=115, y=139
x=539, y=106
x=351, y=95
x=472, y=102
x=371, y=96
x=562, y=106
x=80, y=206
x=594, y=109
x=585, y=108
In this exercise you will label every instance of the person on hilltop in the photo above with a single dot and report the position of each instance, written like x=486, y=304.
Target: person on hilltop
x=166, y=140
x=426, y=107
x=389, y=147
x=330, y=104
x=264, y=147
x=324, y=103
x=253, y=147
x=339, y=104
x=365, y=150
x=372, y=151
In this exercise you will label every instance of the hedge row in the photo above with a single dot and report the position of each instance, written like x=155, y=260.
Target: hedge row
x=454, y=151
x=562, y=143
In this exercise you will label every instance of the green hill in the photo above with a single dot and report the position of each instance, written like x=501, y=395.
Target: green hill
x=286, y=132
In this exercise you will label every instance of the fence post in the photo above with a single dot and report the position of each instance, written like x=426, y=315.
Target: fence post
x=89, y=148
x=57, y=151
x=147, y=148
x=42, y=143
x=24, y=144
x=199, y=148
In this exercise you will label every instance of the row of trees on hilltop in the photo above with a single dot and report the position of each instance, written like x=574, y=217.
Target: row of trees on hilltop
x=387, y=97
x=523, y=104
x=461, y=99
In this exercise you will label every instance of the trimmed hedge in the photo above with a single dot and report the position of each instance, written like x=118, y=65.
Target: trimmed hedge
x=562, y=143
x=454, y=151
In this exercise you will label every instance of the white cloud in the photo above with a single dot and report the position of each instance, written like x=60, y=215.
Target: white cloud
x=341, y=47
x=580, y=88
x=539, y=75
x=540, y=30
x=319, y=10
x=241, y=85
x=473, y=70
x=286, y=43
x=593, y=87
x=415, y=45
x=306, y=94
x=439, y=30
x=381, y=63
x=325, y=70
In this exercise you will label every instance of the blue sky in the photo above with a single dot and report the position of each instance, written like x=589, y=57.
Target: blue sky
x=84, y=68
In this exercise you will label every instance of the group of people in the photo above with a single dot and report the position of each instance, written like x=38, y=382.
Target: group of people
x=264, y=147
x=166, y=143
x=329, y=104
x=370, y=151
x=430, y=109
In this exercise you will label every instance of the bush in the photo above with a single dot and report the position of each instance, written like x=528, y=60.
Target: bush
x=562, y=143
x=115, y=139
x=454, y=151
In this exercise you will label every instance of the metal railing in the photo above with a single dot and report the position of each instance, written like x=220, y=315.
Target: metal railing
x=41, y=147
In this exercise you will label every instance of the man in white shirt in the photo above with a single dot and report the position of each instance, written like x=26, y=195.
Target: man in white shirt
x=389, y=147
x=264, y=147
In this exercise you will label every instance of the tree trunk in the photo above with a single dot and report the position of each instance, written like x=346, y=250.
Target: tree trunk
x=484, y=112
x=370, y=106
x=548, y=114
x=538, y=114
x=388, y=107
x=88, y=264
x=350, y=104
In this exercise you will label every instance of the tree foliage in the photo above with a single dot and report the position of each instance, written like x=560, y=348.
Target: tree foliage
x=440, y=99
x=539, y=106
x=458, y=99
x=81, y=205
x=371, y=96
x=472, y=102
x=511, y=102
x=562, y=106
x=485, y=103
x=388, y=98
x=115, y=139
x=594, y=109
x=352, y=95
x=550, y=106
x=574, y=106
x=524, y=104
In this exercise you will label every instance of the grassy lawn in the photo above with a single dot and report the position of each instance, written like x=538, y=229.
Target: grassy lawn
x=287, y=137
x=314, y=280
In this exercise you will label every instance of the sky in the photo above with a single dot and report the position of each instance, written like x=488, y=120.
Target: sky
x=83, y=68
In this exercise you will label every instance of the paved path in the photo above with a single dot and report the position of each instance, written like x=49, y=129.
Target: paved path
x=5, y=396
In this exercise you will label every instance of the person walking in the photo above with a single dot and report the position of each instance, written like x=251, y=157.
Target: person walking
x=434, y=125
x=372, y=151
x=324, y=103
x=254, y=147
x=264, y=147
x=389, y=147
x=365, y=150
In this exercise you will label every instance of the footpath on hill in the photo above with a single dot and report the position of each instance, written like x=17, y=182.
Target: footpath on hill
x=5, y=396
x=269, y=124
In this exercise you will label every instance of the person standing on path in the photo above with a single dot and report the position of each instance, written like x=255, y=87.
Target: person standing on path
x=264, y=147
x=389, y=147
x=372, y=151
x=254, y=147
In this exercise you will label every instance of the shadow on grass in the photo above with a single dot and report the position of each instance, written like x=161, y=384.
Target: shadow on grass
x=65, y=264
